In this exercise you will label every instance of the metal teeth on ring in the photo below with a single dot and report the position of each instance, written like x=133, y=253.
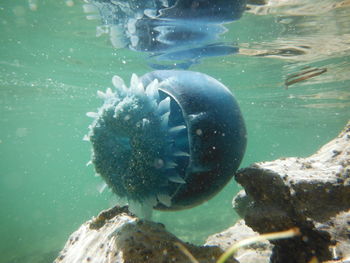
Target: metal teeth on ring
x=158, y=107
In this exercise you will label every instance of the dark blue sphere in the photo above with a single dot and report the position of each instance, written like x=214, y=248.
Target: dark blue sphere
x=171, y=141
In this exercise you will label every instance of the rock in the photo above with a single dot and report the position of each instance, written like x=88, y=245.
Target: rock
x=118, y=236
x=311, y=193
x=259, y=252
x=242, y=202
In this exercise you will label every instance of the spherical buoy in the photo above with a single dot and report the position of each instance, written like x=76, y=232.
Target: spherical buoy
x=170, y=141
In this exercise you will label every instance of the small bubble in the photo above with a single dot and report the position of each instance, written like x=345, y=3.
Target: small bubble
x=69, y=3
x=158, y=163
x=127, y=117
x=33, y=5
x=199, y=132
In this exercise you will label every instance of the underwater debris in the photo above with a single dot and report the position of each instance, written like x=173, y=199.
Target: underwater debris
x=303, y=75
x=255, y=239
x=259, y=252
x=186, y=252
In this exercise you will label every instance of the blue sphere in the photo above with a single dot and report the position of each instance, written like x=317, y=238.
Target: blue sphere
x=170, y=141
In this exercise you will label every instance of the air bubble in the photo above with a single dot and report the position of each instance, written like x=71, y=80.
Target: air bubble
x=127, y=117
x=158, y=163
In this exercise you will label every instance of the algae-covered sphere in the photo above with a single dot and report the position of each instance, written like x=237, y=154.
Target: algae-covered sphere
x=170, y=141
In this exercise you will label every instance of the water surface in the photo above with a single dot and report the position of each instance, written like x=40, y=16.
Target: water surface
x=52, y=63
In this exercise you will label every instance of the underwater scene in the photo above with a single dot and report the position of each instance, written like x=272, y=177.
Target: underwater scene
x=272, y=76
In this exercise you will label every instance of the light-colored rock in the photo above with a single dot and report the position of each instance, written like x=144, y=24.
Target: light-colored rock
x=258, y=252
x=116, y=236
x=309, y=193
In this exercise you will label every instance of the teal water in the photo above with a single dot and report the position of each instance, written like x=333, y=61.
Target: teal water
x=52, y=64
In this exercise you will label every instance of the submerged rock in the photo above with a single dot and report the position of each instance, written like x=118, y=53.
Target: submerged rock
x=117, y=236
x=311, y=193
x=255, y=253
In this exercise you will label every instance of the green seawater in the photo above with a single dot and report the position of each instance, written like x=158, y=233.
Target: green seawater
x=52, y=64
